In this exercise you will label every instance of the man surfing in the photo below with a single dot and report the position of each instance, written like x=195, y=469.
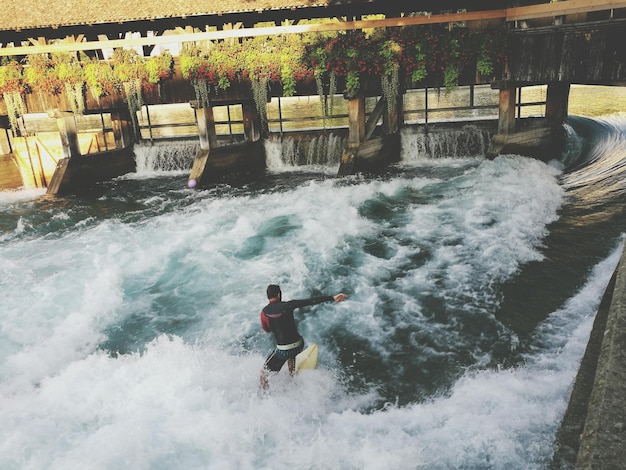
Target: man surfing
x=277, y=317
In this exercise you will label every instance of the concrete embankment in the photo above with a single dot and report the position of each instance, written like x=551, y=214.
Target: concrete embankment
x=593, y=432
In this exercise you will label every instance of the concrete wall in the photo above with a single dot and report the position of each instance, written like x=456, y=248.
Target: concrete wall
x=593, y=432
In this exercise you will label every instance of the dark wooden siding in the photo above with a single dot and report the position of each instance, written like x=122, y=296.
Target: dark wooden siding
x=588, y=55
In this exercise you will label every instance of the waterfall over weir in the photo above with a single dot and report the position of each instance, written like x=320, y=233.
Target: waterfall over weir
x=322, y=149
x=165, y=156
x=291, y=151
x=421, y=143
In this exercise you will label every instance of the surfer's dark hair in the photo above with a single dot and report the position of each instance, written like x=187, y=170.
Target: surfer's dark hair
x=273, y=291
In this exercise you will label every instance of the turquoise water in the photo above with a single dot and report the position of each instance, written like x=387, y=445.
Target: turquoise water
x=130, y=337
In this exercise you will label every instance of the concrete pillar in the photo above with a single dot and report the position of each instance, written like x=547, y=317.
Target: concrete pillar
x=66, y=123
x=252, y=126
x=122, y=128
x=557, y=99
x=506, y=116
x=356, y=118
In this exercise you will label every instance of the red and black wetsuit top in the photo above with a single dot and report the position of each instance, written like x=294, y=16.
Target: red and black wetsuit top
x=277, y=317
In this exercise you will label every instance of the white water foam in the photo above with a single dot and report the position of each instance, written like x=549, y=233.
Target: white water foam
x=185, y=406
x=192, y=400
x=20, y=195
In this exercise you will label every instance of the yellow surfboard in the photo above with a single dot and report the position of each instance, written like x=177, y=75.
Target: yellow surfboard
x=307, y=359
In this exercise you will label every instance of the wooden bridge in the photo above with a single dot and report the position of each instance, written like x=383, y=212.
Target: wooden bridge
x=555, y=43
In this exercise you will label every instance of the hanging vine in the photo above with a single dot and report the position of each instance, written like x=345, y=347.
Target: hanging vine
x=319, y=86
x=15, y=109
x=12, y=89
x=391, y=89
x=332, y=91
x=69, y=71
x=202, y=91
x=100, y=79
x=260, y=94
x=130, y=69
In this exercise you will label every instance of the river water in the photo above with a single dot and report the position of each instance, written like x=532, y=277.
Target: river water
x=130, y=335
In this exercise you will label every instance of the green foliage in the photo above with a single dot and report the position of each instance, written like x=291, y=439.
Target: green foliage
x=40, y=75
x=160, y=67
x=128, y=65
x=100, y=78
x=12, y=89
x=11, y=78
x=425, y=55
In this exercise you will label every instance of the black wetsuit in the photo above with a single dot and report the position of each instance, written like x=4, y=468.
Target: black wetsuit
x=277, y=317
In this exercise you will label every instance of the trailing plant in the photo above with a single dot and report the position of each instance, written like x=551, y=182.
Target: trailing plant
x=40, y=75
x=260, y=94
x=319, y=86
x=15, y=109
x=70, y=72
x=390, y=87
x=315, y=54
x=263, y=60
x=416, y=65
x=391, y=55
x=351, y=55
x=160, y=67
x=206, y=68
x=12, y=90
x=100, y=78
x=202, y=90
x=192, y=69
x=130, y=69
x=332, y=90
x=492, y=53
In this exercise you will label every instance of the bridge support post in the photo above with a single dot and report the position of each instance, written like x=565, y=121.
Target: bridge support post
x=506, y=116
x=393, y=121
x=208, y=141
x=66, y=123
x=213, y=162
x=122, y=128
x=252, y=124
x=364, y=152
x=356, y=134
x=206, y=127
x=73, y=174
x=356, y=120
x=557, y=98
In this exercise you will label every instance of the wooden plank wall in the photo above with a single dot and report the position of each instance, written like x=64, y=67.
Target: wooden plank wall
x=592, y=56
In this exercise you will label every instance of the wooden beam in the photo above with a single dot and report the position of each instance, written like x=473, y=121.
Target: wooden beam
x=510, y=14
x=562, y=8
x=370, y=125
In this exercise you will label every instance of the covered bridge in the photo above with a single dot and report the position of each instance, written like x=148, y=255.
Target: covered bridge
x=96, y=28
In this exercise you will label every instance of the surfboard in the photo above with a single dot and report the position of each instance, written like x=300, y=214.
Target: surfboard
x=307, y=359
